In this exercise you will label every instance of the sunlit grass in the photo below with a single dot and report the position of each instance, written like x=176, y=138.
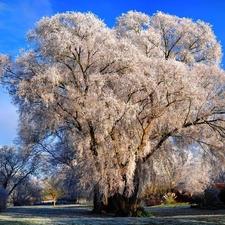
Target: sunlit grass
x=177, y=204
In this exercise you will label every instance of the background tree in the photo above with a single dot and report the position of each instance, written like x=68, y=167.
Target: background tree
x=27, y=192
x=15, y=167
x=69, y=183
x=183, y=171
x=52, y=189
x=122, y=94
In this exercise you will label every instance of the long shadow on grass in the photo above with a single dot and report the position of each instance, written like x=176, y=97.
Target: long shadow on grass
x=47, y=211
x=77, y=215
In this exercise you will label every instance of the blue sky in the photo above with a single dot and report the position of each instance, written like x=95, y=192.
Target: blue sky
x=18, y=16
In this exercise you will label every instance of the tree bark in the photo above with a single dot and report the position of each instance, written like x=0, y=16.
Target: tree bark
x=119, y=204
x=97, y=202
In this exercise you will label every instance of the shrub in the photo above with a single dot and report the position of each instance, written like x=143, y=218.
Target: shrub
x=212, y=197
x=197, y=199
x=222, y=195
x=141, y=212
x=3, y=198
x=153, y=194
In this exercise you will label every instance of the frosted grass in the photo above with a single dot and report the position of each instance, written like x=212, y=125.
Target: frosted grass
x=81, y=215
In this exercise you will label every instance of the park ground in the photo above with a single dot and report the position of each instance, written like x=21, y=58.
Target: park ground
x=77, y=215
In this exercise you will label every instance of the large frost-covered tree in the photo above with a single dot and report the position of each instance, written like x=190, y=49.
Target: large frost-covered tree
x=110, y=98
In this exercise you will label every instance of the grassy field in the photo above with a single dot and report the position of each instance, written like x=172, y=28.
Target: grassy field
x=77, y=215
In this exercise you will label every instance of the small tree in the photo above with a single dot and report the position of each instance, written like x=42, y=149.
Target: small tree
x=52, y=190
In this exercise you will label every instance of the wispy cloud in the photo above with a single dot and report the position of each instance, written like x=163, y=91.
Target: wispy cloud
x=16, y=18
x=3, y=6
x=33, y=10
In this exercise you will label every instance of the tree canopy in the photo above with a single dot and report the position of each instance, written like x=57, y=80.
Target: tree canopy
x=106, y=99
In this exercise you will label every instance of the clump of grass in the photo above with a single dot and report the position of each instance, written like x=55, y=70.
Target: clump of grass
x=170, y=198
x=142, y=212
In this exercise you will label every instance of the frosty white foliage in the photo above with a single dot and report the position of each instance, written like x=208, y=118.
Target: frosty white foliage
x=180, y=169
x=172, y=37
x=113, y=97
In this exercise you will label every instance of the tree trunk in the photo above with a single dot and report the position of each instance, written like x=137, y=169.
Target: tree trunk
x=119, y=204
x=97, y=202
